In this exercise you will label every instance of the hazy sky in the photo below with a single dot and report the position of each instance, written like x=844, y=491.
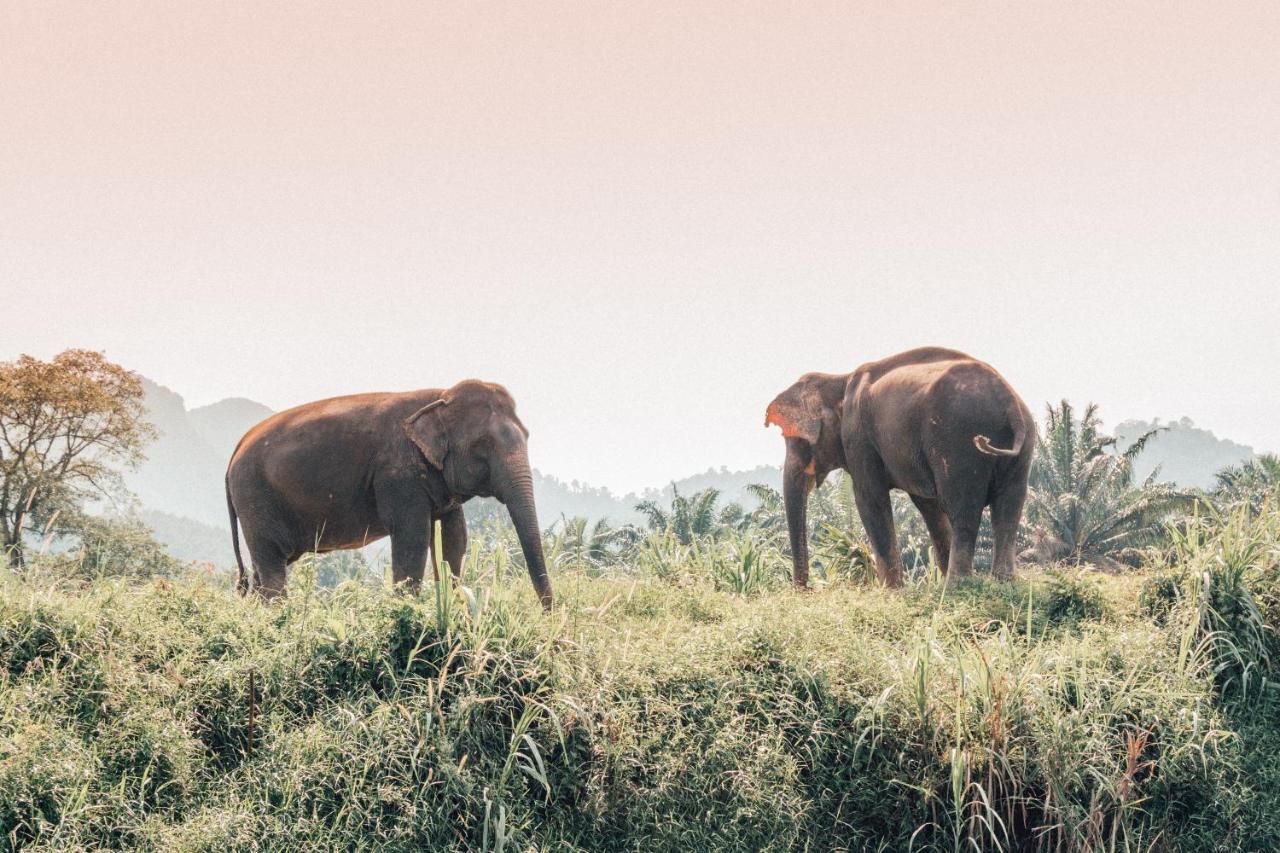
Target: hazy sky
x=648, y=219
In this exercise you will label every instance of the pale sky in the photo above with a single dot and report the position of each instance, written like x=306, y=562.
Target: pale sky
x=648, y=219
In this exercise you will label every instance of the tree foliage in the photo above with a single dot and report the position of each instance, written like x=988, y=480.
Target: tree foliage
x=1083, y=504
x=687, y=517
x=66, y=425
x=1251, y=484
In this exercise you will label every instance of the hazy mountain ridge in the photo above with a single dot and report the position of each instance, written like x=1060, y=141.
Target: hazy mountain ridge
x=180, y=484
x=1184, y=453
x=556, y=497
x=224, y=423
x=183, y=472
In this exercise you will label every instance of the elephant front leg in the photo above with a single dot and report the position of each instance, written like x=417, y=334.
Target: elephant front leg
x=409, y=545
x=876, y=512
x=453, y=542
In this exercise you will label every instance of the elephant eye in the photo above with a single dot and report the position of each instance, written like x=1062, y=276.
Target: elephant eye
x=508, y=434
x=482, y=446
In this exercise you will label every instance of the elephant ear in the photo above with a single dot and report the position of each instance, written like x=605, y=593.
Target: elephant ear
x=427, y=428
x=798, y=410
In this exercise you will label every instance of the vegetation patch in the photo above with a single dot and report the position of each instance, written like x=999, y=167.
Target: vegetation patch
x=656, y=711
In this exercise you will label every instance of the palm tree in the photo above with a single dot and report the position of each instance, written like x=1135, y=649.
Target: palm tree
x=835, y=529
x=1250, y=484
x=688, y=518
x=609, y=544
x=566, y=541
x=769, y=514
x=1083, y=504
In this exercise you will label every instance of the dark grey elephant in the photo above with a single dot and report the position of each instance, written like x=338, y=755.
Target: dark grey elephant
x=343, y=472
x=940, y=425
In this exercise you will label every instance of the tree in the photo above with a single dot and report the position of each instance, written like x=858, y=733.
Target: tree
x=65, y=425
x=1083, y=502
x=114, y=546
x=688, y=518
x=1252, y=483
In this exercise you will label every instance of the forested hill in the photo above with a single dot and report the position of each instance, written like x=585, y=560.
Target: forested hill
x=1184, y=453
x=556, y=498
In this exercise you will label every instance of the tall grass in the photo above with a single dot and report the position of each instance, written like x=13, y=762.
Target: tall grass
x=1228, y=571
x=686, y=700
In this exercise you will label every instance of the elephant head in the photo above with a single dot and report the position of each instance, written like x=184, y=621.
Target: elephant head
x=473, y=437
x=809, y=413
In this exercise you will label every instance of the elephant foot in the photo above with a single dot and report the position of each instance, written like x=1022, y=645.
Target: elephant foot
x=1003, y=572
x=889, y=573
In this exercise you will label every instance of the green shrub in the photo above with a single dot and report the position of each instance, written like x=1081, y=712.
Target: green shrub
x=1158, y=596
x=107, y=546
x=1070, y=598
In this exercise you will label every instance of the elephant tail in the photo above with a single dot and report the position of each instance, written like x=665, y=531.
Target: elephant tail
x=1019, y=424
x=242, y=582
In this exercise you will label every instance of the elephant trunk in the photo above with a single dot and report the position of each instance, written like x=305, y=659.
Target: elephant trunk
x=796, y=485
x=517, y=494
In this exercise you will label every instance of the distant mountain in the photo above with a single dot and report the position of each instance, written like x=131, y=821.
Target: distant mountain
x=555, y=498
x=223, y=423
x=1185, y=454
x=732, y=485
x=180, y=485
x=182, y=474
x=188, y=539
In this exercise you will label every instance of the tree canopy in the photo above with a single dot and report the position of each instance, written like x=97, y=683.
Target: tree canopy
x=66, y=427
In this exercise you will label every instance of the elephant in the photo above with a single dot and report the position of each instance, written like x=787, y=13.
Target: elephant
x=935, y=423
x=343, y=472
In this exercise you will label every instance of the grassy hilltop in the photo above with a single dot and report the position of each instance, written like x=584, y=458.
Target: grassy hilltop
x=662, y=706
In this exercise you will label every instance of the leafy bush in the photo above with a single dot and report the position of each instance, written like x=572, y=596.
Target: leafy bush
x=1071, y=598
x=108, y=546
x=1158, y=596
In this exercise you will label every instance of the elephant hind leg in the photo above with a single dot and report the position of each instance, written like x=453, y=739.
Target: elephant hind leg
x=270, y=565
x=1006, y=515
x=939, y=530
x=964, y=540
x=963, y=499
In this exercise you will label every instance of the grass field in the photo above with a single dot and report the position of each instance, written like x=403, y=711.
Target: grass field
x=1069, y=710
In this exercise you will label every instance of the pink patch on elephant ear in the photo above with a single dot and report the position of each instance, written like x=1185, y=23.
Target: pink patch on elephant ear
x=774, y=415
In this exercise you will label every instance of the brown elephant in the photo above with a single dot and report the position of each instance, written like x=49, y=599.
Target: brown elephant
x=343, y=472
x=940, y=425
